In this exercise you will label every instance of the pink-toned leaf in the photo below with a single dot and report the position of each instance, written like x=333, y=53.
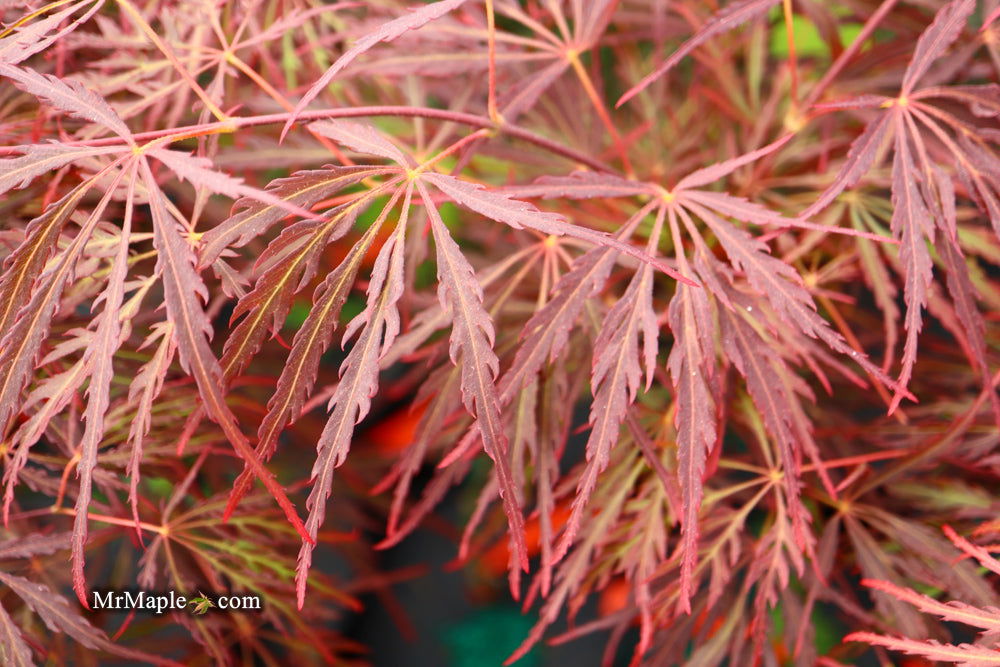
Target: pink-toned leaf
x=384, y=33
x=580, y=185
x=54, y=610
x=985, y=619
x=911, y=224
x=713, y=173
x=522, y=97
x=182, y=287
x=313, y=338
x=69, y=96
x=20, y=342
x=860, y=158
x=519, y=215
x=38, y=35
x=963, y=294
x=691, y=360
x=198, y=171
x=143, y=391
x=252, y=217
x=616, y=378
x=446, y=399
x=57, y=391
x=947, y=26
x=760, y=364
x=23, y=266
x=359, y=137
x=547, y=332
x=985, y=558
x=731, y=16
x=291, y=261
x=358, y=383
x=964, y=655
x=39, y=159
x=747, y=211
x=472, y=346
x=100, y=356
x=14, y=651
x=34, y=545
x=781, y=285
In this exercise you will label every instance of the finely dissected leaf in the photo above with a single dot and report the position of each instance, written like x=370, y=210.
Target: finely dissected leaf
x=947, y=25
x=964, y=655
x=547, y=332
x=911, y=223
x=960, y=612
x=253, y=217
x=756, y=361
x=293, y=260
x=715, y=172
x=21, y=341
x=979, y=553
x=873, y=565
x=581, y=185
x=770, y=567
x=359, y=137
x=144, y=389
x=690, y=361
x=358, y=383
x=69, y=96
x=14, y=651
x=755, y=214
x=780, y=284
x=100, y=355
x=522, y=97
x=312, y=339
x=38, y=159
x=877, y=277
x=30, y=39
x=25, y=264
x=616, y=377
x=54, y=610
x=963, y=293
x=33, y=545
x=860, y=158
x=182, y=288
x=385, y=33
x=747, y=430
x=520, y=214
x=575, y=565
x=472, y=346
x=446, y=399
x=198, y=171
x=57, y=391
x=731, y=16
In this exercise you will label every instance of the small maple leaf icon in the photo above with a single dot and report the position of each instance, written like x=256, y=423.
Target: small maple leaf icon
x=202, y=603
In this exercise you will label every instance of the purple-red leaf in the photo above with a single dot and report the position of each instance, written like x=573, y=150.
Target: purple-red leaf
x=731, y=16
x=385, y=33
x=691, y=361
x=948, y=24
x=253, y=216
x=69, y=96
x=358, y=383
x=860, y=158
x=911, y=224
x=359, y=137
x=182, y=287
x=472, y=347
x=519, y=215
x=14, y=651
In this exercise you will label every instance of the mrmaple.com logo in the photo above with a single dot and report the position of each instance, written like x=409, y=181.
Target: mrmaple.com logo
x=158, y=603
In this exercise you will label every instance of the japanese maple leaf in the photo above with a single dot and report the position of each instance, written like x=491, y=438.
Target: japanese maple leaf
x=923, y=196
